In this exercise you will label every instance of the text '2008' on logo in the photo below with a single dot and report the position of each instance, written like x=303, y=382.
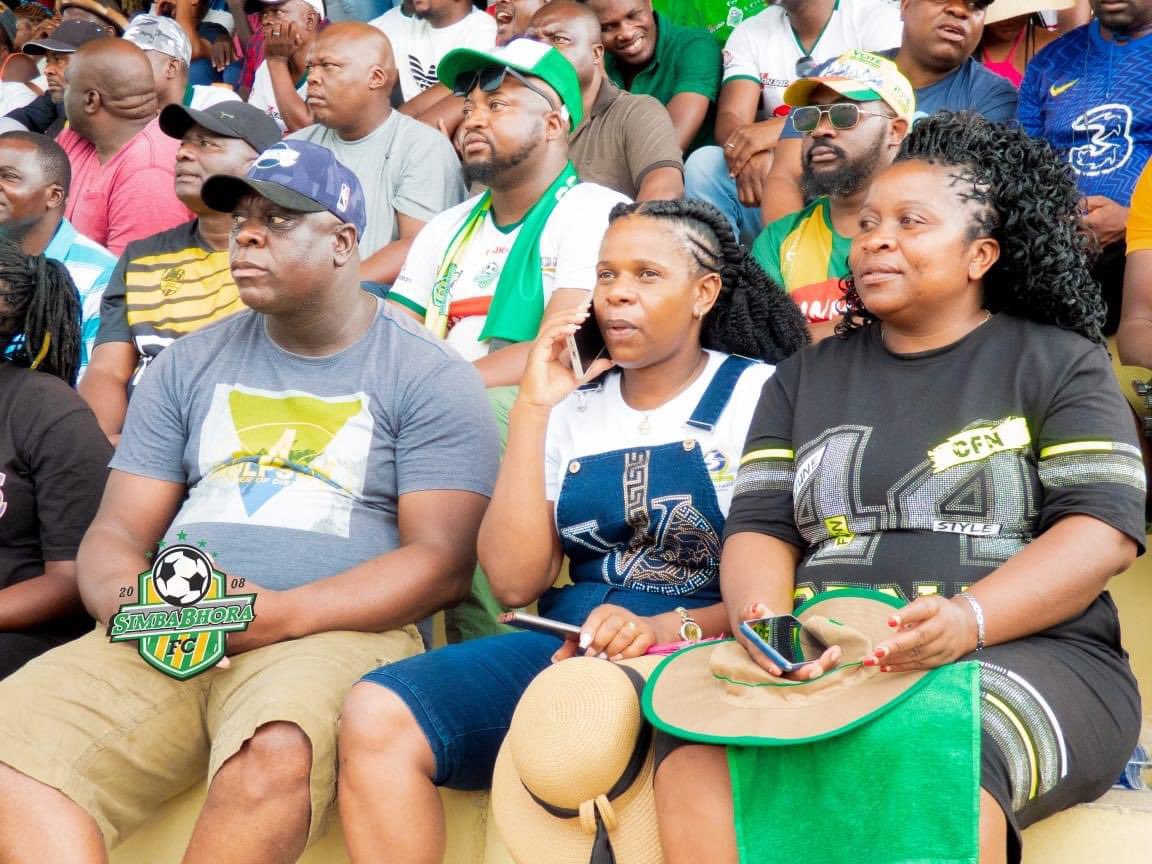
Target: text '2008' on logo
x=184, y=613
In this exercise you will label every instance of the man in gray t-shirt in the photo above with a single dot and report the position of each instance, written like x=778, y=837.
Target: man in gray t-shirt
x=335, y=462
x=409, y=171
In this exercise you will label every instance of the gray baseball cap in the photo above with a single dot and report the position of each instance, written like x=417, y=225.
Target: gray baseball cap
x=155, y=33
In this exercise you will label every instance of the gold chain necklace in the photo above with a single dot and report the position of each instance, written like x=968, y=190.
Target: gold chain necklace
x=645, y=426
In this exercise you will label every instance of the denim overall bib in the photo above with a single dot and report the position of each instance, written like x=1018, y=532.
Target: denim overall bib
x=642, y=529
x=646, y=519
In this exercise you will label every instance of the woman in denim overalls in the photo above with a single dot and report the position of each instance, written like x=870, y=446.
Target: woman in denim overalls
x=629, y=479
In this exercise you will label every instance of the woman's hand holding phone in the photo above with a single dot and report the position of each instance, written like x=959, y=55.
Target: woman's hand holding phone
x=548, y=375
x=611, y=633
x=808, y=672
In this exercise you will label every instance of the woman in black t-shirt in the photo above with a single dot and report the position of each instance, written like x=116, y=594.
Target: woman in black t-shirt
x=963, y=445
x=53, y=458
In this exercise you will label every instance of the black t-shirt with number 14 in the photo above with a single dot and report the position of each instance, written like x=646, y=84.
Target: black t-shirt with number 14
x=922, y=473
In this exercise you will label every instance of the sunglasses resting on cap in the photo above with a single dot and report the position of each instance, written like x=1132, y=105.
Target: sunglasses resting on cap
x=490, y=78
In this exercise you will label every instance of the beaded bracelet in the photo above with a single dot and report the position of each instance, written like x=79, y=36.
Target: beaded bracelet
x=978, y=611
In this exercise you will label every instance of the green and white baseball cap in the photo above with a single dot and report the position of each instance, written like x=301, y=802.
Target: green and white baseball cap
x=526, y=56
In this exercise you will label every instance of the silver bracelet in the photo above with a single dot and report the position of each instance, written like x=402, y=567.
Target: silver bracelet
x=978, y=611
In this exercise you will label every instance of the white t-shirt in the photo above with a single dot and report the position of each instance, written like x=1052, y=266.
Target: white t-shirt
x=204, y=96
x=763, y=48
x=418, y=46
x=263, y=97
x=13, y=95
x=598, y=421
x=569, y=250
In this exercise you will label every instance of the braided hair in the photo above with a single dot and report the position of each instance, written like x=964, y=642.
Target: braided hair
x=1021, y=194
x=39, y=314
x=752, y=315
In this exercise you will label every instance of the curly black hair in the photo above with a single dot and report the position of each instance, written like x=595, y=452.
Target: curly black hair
x=752, y=315
x=39, y=314
x=1023, y=196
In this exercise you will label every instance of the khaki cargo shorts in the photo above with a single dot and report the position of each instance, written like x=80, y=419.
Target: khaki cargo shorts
x=119, y=738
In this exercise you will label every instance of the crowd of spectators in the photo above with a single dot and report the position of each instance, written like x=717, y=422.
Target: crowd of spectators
x=298, y=282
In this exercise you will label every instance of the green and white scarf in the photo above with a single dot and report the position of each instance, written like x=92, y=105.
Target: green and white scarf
x=518, y=303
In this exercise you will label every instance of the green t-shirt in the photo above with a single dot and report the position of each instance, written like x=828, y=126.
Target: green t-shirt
x=686, y=60
x=803, y=253
x=718, y=17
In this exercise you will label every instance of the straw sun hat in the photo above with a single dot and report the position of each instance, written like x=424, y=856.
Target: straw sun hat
x=1002, y=10
x=573, y=781
x=715, y=693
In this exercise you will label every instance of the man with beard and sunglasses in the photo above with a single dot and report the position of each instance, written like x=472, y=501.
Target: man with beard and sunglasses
x=853, y=113
x=935, y=55
x=485, y=273
x=765, y=54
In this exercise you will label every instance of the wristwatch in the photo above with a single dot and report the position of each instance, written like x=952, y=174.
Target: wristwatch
x=689, y=630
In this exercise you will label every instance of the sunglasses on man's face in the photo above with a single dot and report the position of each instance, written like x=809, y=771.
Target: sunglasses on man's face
x=490, y=78
x=842, y=115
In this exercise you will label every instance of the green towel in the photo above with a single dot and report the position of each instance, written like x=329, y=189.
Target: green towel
x=901, y=789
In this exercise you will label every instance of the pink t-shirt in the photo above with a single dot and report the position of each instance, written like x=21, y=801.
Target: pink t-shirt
x=130, y=196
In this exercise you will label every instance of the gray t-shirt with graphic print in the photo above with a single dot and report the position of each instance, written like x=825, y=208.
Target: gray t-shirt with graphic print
x=294, y=465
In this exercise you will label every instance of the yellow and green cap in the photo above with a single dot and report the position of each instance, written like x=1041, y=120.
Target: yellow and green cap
x=861, y=76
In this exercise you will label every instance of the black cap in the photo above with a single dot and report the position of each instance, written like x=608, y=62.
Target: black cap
x=68, y=37
x=232, y=119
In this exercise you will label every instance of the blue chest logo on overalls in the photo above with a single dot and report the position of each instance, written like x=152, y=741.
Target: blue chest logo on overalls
x=673, y=548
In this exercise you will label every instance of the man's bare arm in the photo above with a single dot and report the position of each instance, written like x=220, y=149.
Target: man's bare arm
x=661, y=184
x=1134, y=338
x=431, y=570
x=781, y=193
x=736, y=106
x=506, y=366
x=384, y=264
x=687, y=111
x=41, y=599
x=133, y=516
x=105, y=385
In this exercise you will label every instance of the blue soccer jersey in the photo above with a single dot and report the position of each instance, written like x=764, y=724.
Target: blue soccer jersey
x=1092, y=100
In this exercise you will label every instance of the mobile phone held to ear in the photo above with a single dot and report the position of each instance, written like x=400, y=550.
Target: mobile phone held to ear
x=784, y=640
x=547, y=626
x=586, y=345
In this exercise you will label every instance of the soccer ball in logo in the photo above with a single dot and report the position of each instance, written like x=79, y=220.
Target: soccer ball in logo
x=182, y=575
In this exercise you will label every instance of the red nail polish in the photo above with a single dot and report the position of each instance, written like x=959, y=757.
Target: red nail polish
x=870, y=661
x=893, y=622
x=885, y=668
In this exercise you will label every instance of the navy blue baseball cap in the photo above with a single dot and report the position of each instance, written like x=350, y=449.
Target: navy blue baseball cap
x=297, y=175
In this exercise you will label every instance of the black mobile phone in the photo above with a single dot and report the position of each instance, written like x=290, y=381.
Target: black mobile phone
x=784, y=640
x=547, y=626
x=586, y=345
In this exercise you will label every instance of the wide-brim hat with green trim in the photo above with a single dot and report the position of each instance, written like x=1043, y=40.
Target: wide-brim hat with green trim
x=527, y=57
x=715, y=693
x=861, y=76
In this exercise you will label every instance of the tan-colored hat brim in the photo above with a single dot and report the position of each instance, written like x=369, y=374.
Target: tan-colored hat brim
x=687, y=698
x=533, y=835
x=1002, y=10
